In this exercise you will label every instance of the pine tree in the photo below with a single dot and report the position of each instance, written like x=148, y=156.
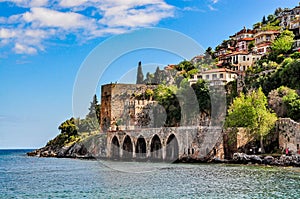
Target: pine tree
x=140, y=76
x=94, y=109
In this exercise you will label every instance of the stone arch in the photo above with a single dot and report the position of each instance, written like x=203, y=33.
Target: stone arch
x=156, y=147
x=141, y=148
x=127, y=148
x=172, y=148
x=115, y=148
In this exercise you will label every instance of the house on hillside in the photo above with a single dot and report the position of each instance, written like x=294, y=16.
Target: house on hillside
x=242, y=34
x=240, y=61
x=285, y=18
x=219, y=76
x=263, y=41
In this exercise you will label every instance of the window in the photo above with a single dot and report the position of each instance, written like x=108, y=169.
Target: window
x=207, y=77
x=221, y=76
x=244, y=58
x=214, y=76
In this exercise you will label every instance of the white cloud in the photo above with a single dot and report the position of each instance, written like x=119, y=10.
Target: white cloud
x=212, y=8
x=215, y=1
x=193, y=9
x=38, y=3
x=44, y=17
x=133, y=13
x=22, y=49
x=27, y=32
x=72, y=3
x=7, y=33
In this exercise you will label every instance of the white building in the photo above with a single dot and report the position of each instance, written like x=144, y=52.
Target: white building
x=219, y=76
x=263, y=40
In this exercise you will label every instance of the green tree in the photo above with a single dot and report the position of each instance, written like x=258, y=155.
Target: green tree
x=92, y=120
x=186, y=69
x=251, y=112
x=140, y=75
x=68, y=127
x=292, y=101
x=257, y=25
x=166, y=97
x=94, y=109
x=202, y=92
x=251, y=46
x=283, y=44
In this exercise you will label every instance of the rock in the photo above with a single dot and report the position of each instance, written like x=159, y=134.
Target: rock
x=62, y=152
x=268, y=160
x=255, y=159
x=218, y=160
x=243, y=158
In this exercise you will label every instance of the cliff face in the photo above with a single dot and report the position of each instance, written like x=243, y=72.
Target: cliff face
x=90, y=148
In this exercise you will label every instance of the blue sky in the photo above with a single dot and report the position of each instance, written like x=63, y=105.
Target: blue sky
x=43, y=43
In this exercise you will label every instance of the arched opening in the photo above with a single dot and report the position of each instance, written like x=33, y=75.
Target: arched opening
x=140, y=149
x=115, y=148
x=156, y=148
x=127, y=148
x=172, y=148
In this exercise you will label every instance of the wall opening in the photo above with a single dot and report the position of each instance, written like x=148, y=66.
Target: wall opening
x=115, y=148
x=156, y=148
x=140, y=149
x=127, y=148
x=172, y=148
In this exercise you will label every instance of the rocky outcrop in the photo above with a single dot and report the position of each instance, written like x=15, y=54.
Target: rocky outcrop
x=90, y=148
x=283, y=160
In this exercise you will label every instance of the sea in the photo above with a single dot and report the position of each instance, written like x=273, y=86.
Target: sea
x=32, y=177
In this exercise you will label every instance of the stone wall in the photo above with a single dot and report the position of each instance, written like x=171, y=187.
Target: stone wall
x=289, y=134
x=193, y=142
x=118, y=104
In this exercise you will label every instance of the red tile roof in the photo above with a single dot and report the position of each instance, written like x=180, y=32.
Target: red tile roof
x=219, y=70
x=247, y=39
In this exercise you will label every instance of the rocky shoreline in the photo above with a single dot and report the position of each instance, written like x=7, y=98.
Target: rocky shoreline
x=90, y=148
x=242, y=158
x=80, y=151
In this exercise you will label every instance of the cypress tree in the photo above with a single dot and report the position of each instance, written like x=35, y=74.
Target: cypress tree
x=140, y=76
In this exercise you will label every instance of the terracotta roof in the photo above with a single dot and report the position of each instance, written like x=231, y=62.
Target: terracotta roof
x=240, y=53
x=244, y=30
x=267, y=32
x=263, y=44
x=247, y=39
x=219, y=70
x=170, y=67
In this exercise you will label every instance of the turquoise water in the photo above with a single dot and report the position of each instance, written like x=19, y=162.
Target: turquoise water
x=30, y=177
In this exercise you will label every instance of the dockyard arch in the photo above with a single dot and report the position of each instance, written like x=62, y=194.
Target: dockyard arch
x=127, y=148
x=115, y=148
x=172, y=149
x=141, y=148
x=156, y=148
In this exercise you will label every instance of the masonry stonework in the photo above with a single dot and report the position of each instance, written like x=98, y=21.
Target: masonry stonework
x=289, y=134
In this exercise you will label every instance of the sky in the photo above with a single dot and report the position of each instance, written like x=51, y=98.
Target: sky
x=44, y=44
